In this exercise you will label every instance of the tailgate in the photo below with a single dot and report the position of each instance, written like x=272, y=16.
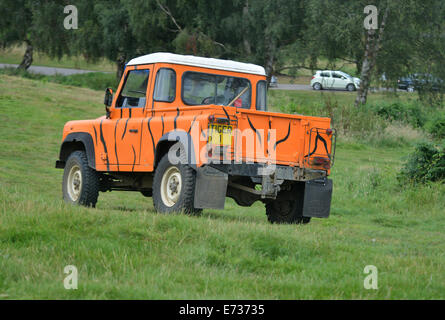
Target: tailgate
x=284, y=139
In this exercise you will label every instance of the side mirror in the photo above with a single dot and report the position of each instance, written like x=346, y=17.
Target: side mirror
x=108, y=100
x=108, y=97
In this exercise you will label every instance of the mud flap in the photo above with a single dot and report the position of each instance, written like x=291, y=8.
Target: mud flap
x=210, y=188
x=317, y=198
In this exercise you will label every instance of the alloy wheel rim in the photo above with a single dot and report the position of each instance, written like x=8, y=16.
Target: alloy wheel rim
x=74, y=183
x=171, y=185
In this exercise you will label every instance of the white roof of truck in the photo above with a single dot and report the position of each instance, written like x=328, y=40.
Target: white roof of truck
x=211, y=63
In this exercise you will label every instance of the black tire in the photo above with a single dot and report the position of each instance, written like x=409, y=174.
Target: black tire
x=287, y=207
x=88, y=187
x=186, y=195
x=317, y=86
x=350, y=87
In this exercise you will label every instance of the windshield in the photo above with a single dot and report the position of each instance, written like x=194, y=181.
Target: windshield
x=202, y=88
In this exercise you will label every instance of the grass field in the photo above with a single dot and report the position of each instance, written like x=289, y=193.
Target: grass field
x=124, y=250
x=14, y=55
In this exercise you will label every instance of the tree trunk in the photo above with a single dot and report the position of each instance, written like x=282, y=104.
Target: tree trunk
x=27, y=57
x=246, y=43
x=270, y=59
x=365, y=77
x=120, y=64
x=371, y=50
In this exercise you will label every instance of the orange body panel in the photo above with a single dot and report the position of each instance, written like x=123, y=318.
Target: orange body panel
x=127, y=140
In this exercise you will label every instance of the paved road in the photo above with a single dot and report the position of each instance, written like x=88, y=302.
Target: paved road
x=292, y=87
x=49, y=71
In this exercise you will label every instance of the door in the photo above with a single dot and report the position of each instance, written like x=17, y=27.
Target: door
x=326, y=79
x=125, y=126
x=338, y=81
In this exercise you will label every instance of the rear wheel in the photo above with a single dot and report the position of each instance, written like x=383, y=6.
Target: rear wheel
x=317, y=86
x=80, y=182
x=287, y=207
x=174, y=185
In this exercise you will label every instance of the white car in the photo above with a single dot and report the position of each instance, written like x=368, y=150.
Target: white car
x=328, y=79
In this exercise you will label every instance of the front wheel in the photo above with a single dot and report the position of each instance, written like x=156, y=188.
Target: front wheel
x=174, y=185
x=350, y=87
x=80, y=182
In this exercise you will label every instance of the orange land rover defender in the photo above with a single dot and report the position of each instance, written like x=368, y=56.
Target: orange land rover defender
x=191, y=131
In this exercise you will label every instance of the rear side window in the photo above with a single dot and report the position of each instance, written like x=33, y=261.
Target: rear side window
x=165, y=86
x=202, y=88
x=261, y=95
x=325, y=74
x=134, y=90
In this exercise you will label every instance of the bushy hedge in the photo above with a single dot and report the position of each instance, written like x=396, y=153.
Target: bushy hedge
x=408, y=113
x=436, y=127
x=426, y=163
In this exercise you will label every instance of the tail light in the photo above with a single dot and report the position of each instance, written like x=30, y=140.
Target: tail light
x=328, y=132
x=320, y=161
x=313, y=77
x=211, y=118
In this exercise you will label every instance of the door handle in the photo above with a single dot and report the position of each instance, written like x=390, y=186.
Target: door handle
x=133, y=130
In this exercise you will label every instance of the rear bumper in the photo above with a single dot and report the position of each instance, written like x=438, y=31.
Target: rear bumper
x=258, y=170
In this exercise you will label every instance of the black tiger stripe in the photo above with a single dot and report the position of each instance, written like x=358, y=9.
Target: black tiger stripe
x=105, y=146
x=129, y=112
x=121, y=113
x=125, y=129
x=319, y=137
x=162, y=120
x=284, y=139
x=228, y=117
x=134, y=157
x=177, y=115
x=95, y=135
x=151, y=135
x=191, y=125
x=203, y=133
x=254, y=129
x=115, y=144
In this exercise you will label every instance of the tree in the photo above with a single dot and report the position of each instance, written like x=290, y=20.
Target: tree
x=15, y=26
x=372, y=47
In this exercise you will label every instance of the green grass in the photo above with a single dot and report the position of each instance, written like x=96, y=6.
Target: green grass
x=91, y=80
x=124, y=250
x=14, y=55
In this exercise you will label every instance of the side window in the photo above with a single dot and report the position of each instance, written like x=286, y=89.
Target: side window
x=336, y=75
x=134, y=90
x=326, y=74
x=165, y=86
x=261, y=95
x=198, y=88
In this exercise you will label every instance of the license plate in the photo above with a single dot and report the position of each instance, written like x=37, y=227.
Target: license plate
x=220, y=134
